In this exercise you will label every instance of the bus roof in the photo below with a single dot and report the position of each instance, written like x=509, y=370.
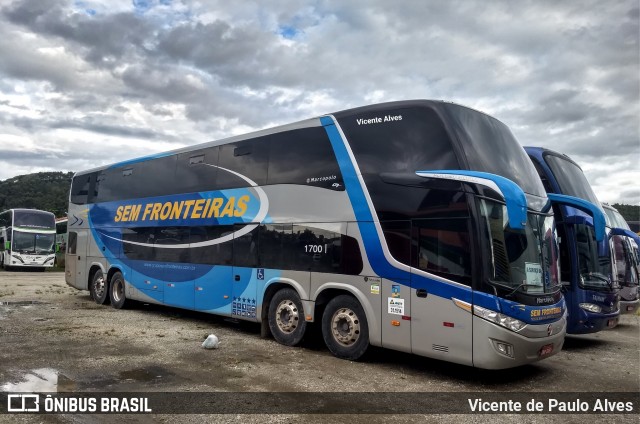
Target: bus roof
x=311, y=122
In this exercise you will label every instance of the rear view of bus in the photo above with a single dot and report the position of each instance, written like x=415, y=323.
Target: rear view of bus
x=587, y=271
x=27, y=239
x=418, y=226
x=625, y=250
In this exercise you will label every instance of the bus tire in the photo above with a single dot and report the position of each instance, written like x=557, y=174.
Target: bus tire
x=99, y=288
x=117, y=292
x=344, y=328
x=286, y=317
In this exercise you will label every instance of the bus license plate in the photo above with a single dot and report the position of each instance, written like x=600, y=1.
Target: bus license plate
x=546, y=350
x=630, y=308
x=612, y=323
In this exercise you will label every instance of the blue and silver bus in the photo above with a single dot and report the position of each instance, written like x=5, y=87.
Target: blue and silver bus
x=625, y=250
x=588, y=273
x=419, y=226
x=27, y=239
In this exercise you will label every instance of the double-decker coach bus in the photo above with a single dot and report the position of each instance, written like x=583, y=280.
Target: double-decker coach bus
x=625, y=252
x=588, y=272
x=27, y=239
x=419, y=226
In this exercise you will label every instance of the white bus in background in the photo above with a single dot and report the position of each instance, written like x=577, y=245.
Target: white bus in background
x=27, y=239
x=625, y=250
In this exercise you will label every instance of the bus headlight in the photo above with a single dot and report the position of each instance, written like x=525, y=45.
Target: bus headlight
x=591, y=307
x=18, y=258
x=498, y=318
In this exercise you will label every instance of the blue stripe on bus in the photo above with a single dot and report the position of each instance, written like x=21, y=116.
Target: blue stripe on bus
x=378, y=260
x=370, y=238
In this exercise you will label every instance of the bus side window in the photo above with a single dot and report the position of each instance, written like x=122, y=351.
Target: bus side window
x=80, y=189
x=197, y=171
x=216, y=254
x=168, y=236
x=245, y=249
x=144, y=235
x=312, y=150
x=398, y=237
x=72, y=242
x=274, y=239
x=442, y=246
x=248, y=158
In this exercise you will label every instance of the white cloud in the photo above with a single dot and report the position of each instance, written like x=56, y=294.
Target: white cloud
x=101, y=80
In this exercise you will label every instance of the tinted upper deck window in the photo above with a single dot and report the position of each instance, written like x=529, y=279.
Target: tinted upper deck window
x=489, y=146
x=303, y=156
x=399, y=140
x=80, y=189
x=149, y=178
x=571, y=179
x=248, y=158
x=197, y=170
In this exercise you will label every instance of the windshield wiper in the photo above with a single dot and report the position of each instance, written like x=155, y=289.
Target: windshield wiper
x=597, y=276
x=513, y=290
x=524, y=285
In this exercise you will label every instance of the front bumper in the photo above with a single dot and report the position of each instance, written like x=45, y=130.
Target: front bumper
x=524, y=350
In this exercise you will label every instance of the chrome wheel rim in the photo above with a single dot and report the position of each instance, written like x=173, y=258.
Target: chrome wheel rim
x=99, y=287
x=118, y=290
x=287, y=316
x=345, y=326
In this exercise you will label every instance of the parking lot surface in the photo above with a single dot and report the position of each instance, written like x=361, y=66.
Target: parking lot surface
x=55, y=338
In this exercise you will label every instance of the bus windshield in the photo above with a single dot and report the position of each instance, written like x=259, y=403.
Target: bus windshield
x=617, y=221
x=571, y=179
x=524, y=260
x=26, y=242
x=595, y=270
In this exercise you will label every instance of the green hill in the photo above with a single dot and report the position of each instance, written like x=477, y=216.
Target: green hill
x=47, y=191
x=628, y=212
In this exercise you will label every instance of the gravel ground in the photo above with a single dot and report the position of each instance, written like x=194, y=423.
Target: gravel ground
x=67, y=343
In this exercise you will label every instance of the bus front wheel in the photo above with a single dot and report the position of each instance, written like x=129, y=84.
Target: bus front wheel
x=116, y=291
x=286, y=317
x=344, y=328
x=99, y=288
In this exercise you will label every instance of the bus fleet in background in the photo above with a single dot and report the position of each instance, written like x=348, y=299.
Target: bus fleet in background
x=27, y=239
x=419, y=226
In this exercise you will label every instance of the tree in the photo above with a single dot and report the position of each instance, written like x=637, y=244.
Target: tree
x=47, y=191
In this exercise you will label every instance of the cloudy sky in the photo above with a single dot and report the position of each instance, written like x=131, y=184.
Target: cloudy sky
x=86, y=83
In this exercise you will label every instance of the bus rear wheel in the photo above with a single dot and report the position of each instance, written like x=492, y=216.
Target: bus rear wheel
x=344, y=328
x=286, y=317
x=116, y=291
x=99, y=288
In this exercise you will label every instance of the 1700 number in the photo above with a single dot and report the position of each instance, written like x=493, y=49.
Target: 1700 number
x=315, y=248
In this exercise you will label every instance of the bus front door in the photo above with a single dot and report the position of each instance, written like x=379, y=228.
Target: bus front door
x=439, y=328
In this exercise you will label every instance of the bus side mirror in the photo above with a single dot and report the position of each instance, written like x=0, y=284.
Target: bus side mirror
x=599, y=220
x=626, y=233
